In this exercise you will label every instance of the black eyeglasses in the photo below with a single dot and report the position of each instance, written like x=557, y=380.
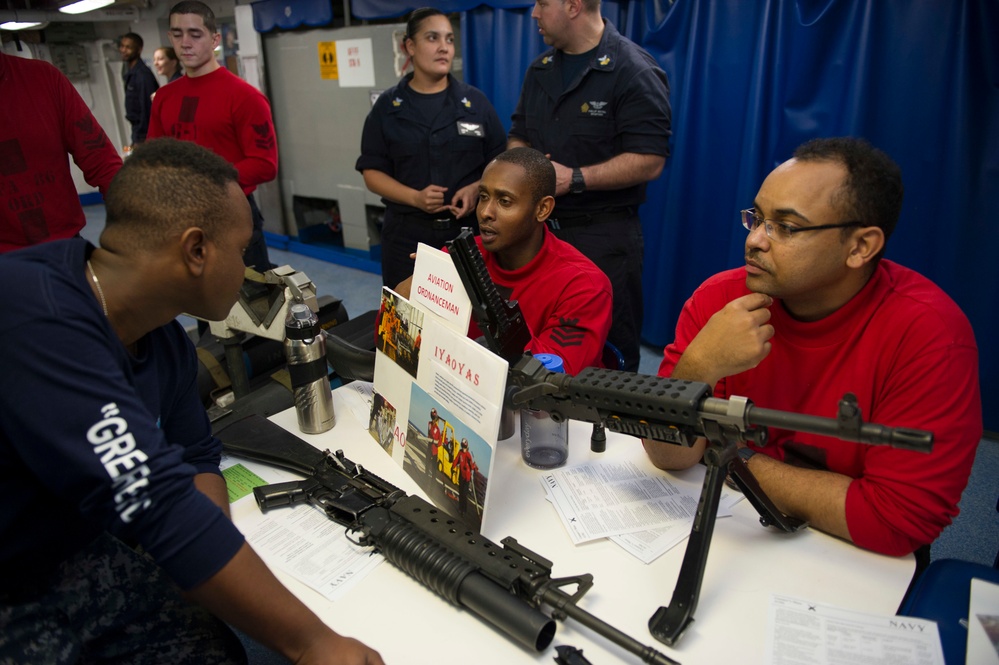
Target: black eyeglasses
x=779, y=230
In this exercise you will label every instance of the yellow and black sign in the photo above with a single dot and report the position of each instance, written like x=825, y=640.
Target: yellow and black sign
x=327, y=61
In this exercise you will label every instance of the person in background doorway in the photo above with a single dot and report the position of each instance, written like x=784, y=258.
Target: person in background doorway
x=166, y=63
x=816, y=313
x=42, y=120
x=424, y=145
x=140, y=84
x=598, y=105
x=218, y=110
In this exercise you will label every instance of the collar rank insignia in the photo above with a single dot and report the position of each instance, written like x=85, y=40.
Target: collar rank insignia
x=397, y=102
x=547, y=59
x=464, y=102
x=603, y=60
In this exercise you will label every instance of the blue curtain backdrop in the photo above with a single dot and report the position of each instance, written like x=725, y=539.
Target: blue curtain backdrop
x=752, y=79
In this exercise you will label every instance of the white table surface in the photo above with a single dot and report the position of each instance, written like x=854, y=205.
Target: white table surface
x=409, y=624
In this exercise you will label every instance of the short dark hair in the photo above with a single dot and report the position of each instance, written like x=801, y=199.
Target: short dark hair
x=417, y=17
x=538, y=168
x=166, y=186
x=872, y=192
x=135, y=37
x=199, y=8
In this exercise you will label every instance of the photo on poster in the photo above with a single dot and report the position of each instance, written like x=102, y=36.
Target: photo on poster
x=381, y=422
x=448, y=459
x=398, y=329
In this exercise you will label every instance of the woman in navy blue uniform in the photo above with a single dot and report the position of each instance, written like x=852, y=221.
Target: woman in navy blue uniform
x=424, y=146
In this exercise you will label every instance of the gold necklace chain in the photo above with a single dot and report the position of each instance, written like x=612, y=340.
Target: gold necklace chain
x=100, y=291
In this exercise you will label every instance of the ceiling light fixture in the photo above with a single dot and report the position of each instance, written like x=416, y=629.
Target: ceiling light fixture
x=83, y=6
x=19, y=25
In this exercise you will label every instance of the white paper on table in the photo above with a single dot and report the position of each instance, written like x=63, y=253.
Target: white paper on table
x=303, y=542
x=614, y=498
x=983, y=623
x=271, y=474
x=649, y=545
x=356, y=397
x=801, y=631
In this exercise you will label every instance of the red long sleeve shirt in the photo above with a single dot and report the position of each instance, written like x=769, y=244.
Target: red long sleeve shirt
x=43, y=122
x=566, y=301
x=225, y=114
x=908, y=353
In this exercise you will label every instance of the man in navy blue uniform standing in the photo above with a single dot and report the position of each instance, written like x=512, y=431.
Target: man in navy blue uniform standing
x=424, y=146
x=140, y=84
x=598, y=105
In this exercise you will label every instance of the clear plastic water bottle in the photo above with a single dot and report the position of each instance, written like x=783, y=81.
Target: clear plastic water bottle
x=305, y=350
x=544, y=443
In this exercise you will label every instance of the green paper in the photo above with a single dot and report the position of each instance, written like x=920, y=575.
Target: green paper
x=240, y=481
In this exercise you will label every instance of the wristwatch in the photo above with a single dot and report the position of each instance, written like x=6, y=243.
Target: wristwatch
x=745, y=453
x=578, y=185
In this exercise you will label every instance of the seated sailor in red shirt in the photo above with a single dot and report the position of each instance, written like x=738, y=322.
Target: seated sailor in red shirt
x=565, y=299
x=816, y=313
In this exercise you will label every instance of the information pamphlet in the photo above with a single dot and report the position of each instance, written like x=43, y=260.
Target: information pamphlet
x=646, y=514
x=302, y=540
x=802, y=632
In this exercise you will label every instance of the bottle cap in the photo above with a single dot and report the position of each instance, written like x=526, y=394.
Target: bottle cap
x=302, y=322
x=551, y=362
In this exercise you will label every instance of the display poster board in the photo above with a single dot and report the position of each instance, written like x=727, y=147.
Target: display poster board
x=438, y=395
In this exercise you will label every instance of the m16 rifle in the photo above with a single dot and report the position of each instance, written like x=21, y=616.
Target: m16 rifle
x=506, y=586
x=668, y=410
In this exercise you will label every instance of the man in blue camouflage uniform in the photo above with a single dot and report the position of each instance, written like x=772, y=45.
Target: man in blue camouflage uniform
x=105, y=445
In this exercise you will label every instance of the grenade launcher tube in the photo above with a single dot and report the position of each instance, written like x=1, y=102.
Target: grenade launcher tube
x=499, y=585
x=454, y=579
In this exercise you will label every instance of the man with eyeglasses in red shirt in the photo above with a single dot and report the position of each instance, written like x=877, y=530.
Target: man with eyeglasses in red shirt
x=816, y=313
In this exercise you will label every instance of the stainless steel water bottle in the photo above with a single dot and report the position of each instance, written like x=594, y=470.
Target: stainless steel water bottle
x=305, y=350
x=544, y=443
